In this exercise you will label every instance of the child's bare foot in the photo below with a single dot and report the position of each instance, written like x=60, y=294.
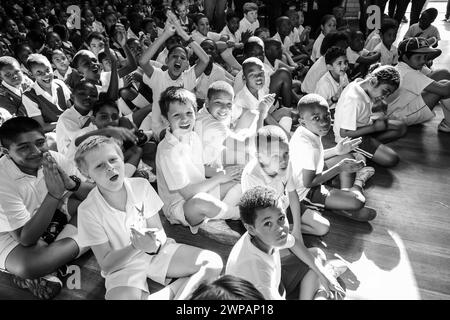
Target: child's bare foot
x=364, y=214
x=44, y=288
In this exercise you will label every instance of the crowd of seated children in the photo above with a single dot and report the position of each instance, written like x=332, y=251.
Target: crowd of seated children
x=220, y=115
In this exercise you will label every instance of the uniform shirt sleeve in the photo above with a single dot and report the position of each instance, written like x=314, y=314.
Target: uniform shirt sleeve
x=173, y=170
x=153, y=201
x=13, y=212
x=90, y=228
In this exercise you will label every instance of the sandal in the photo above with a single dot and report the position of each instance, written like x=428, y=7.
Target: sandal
x=44, y=288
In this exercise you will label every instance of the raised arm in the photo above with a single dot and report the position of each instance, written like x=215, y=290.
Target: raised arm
x=113, y=89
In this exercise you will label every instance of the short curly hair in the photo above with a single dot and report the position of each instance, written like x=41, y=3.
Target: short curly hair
x=387, y=75
x=256, y=199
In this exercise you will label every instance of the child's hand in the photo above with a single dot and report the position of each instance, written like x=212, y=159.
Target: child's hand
x=266, y=102
x=246, y=35
x=331, y=284
x=239, y=168
x=346, y=145
x=380, y=106
x=127, y=80
x=380, y=125
x=53, y=180
x=121, y=36
x=122, y=134
x=232, y=173
x=230, y=43
x=351, y=165
x=109, y=53
x=169, y=29
x=146, y=241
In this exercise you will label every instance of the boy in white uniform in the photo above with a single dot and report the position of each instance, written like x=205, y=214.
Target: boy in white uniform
x=424, y=27
x=189, y=197
x=250, y=21
x=33, y=193
x=119, y=220
x=256, y=256
x=388, y=34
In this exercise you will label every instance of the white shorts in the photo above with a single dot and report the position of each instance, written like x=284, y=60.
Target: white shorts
x=7, y=244
x=175, y=213
x=144, y=266
x=414, y=112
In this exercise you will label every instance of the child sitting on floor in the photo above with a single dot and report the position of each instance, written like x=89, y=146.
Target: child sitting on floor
x=119, y=220
x=327, y=25
x=40, y=191
x=353, y=117
x=310, y=166
x=388, y=34
x=359, y=59
x=250, y=20
x=189, y=197
x=256, y=257
x=424, y=27
x=269, y=168
x=63, y=70
x=332, y=83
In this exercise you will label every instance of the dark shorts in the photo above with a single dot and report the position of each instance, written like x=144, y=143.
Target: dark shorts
x=316, y=197
x=368, y=146
x=293, y=270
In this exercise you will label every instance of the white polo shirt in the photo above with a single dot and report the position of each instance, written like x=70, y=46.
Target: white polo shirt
x=178, y=164
x=295, y=34
x=373, y=39
x=388, y=56
x=33, y=108
x=315, y=54
x=236, y=37
x=353, y=56
x=306, y=152
x=317, y=70
x=407, y=103
x=158, y=82
x=327, y=87
x=353, y=109
x=245, y=25
x=239, y=82
x=416, y=31
x=64, y=77
x=212, y=134
x=68, y=125
x=286, y=44
x=204, y=81
x=199, y=37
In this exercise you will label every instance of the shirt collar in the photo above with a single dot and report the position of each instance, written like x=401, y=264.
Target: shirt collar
x=173, y=141
x=16, y=91
x=361, y=91
x=15, y=173
x=309, y=134
x=258, y=170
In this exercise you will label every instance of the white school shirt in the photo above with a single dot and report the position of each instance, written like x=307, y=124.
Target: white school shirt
x=199, y=37
x=17, y=91
x=352, y=55
x=212, y=134
x=306, y=152
x=286, y=44
x=317, y=70
x=204, y=81
x=159, y=81
x=416, y=31
x=245, y=25
x=239, y=82
x=409, y=94
x=178, y=164
x=353, y=109
x=315, y=54
x=65, y=76
x=327, y=87
x=33, y=108
x=388, y=56
x=253, y=175
x=236, y=37
x=263, y=270
x=372, y=40
x=21, y=194
x=295, y=34
x=67, y=126
x=99, y=222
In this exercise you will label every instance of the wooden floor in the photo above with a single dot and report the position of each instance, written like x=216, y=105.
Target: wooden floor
x=403, y=254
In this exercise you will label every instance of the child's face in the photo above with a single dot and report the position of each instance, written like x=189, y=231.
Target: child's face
x=151, y=29
x=271, y=228
x=317, y=120
x=294, y=17
x=12, y=75
x=177, y=62
x=89, y=17
x=181, y=117
x=110, y=20
x=89, y=67
x=425, y=20
x=329, y=26
x=339, y=67
x=389, y=37
x=357, y=43
x=105, y=166
x=379, y=92
x=274, y=52
x=416, y=61
x=96, y=45
x=181, y=10
x=274, y=157
x=220, y=106
x=107, y=116
x=203, y=26
x=11, y=27
x=136, y=49
x=27, y=150
x=85, y=97
x=43, y=73
x=252, y=16
x=255, y=77
x=285, y=27
x=233, y=24
x=60, y=61
x=264, y=35
x=301, y=18
x=210, y=48
x=23, y=54
x=54, y=41
x=106, y=65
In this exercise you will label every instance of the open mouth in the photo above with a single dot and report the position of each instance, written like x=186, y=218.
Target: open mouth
x=114, y=178
x=177, y=66
x=47, y=81
x=185, y=127
x=282, y=236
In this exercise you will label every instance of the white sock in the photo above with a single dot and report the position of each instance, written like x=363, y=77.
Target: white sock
x=70, y=231
x=286, y=123
x=140, y=101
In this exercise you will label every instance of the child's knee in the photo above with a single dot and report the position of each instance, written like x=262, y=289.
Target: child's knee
x=386, y=157
x=211, y=260
x=283, y=75
x=322, y=228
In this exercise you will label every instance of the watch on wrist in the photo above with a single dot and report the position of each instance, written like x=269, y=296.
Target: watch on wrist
x=156, y=252
x=77, y=183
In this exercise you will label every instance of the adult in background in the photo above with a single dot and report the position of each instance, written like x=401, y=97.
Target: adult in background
x=215, y=11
